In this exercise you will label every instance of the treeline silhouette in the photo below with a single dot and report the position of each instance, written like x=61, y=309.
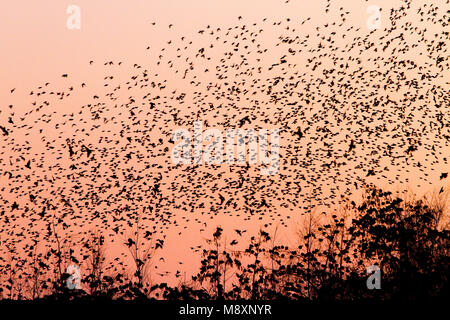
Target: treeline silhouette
x=407, y=238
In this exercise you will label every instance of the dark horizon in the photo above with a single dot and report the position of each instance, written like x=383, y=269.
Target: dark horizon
x=241, y=152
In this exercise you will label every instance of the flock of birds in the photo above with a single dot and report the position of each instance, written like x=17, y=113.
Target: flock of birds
x=353, y=107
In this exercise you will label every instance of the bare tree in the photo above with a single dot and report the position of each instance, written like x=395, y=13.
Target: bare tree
x=95, y=261
x=141, y=248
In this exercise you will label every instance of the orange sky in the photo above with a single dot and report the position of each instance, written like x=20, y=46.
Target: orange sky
x=36, y=47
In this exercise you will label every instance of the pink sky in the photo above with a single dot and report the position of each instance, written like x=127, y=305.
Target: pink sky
x=36, y=47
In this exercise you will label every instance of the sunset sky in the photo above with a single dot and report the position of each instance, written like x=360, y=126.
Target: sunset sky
x=36, y=48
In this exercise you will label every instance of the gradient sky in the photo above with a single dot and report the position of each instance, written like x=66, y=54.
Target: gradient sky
x=36, y=42
x=36, y=47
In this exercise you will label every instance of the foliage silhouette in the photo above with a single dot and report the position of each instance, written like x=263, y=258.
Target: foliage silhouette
x=407, y=238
